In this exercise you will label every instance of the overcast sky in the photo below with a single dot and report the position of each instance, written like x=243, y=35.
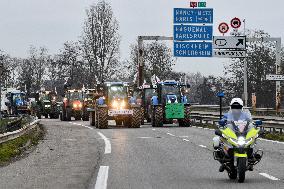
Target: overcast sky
x=50, y=23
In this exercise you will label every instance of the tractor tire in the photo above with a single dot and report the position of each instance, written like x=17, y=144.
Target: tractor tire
x=102, y=118
x=186, y=121
x=142, y=116
x=38, y=115
x=63, y=114
x=93, y=118
x=56, y=116
x=136, y=118
x=46, y=116
x=68, y=114
x=157, y=117
x=242, y=167
x=85, y=116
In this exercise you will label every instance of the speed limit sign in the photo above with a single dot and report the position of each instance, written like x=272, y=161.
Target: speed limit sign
x=223, y=27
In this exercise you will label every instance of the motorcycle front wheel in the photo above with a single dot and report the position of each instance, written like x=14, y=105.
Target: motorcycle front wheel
x=242, y=167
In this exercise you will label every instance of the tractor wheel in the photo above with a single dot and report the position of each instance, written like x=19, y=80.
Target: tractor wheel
x=157, y=117
x=46, y=116
x=102, y=118
x=136, y=118
x=185, y=122
x=77, y=116
x=92, y=118
x=142, y=116
x=68, y=114
x=55, y=116
x=63, y=114
x=51, y=116
x=85, y=116
x=38, y=115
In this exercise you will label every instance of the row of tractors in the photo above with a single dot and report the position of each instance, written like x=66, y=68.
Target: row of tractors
x=163, y=103
x=160, y=103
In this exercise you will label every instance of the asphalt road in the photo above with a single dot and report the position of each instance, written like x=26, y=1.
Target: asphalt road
x=168, y=157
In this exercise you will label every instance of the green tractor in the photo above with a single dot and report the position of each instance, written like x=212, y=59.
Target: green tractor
x=89, y=97
x=48, y=105
x=115, y=103
x=72, y=105
x=170, y=104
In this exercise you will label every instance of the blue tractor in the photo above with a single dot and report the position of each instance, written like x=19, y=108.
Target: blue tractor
x=170, y=104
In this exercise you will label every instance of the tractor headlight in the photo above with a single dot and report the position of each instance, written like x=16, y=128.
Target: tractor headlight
x=80, y=105
x=75, y=105
x=47, y=106
x=122, y=105
x=114, y=104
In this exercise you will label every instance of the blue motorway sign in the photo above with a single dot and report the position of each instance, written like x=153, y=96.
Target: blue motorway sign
x=196, y=16
x=192, y=32
x=192, y=49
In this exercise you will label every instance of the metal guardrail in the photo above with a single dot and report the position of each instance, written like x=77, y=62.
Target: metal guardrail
x=257, y=111
x=212, y=118
x=10, y=135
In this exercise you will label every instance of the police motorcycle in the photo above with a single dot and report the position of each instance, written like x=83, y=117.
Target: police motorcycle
x=236, y=150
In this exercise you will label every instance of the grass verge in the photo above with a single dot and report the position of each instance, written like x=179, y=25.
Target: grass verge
x=13, y=149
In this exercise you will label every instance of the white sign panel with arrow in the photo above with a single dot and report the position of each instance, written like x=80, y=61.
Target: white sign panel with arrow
x=229, y=42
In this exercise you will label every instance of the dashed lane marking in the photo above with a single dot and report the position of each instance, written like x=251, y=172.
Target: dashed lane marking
x=185, y=140
x=202, y=146
x=154, y=129
x=170, y=134
x=102, y=177
x=269, y=176
x=144, y=137
x=107, y=143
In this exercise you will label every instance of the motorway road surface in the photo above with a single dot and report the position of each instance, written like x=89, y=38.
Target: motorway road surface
x=74, y=155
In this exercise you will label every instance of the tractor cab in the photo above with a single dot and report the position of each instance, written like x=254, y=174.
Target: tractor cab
x=17, y=102
x=117, y=94
x=170, y=104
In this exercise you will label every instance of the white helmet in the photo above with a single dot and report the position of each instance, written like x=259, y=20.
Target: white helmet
x=236, y=103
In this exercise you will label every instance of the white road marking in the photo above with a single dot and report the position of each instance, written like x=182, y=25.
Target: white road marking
x=183, y=136
x=70, y=122
x=154, y=129
x=107, y=143
x=194, y=126
x=170, y=134
x=87, y=126
x=102, y=177
x=269, y=176
x=200, y=127
x=212, y=129
x=185, y=140
x=144, y=137
x=202, y=146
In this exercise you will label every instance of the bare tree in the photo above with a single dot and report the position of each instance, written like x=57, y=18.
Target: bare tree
x=158, y=60
x=100, y=41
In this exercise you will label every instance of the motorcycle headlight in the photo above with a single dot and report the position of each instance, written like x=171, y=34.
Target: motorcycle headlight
x=241, y=141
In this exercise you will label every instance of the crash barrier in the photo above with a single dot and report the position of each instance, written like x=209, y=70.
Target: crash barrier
x=10, y=124
x=257, y=111
x=10, y=135
x=270, y=124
